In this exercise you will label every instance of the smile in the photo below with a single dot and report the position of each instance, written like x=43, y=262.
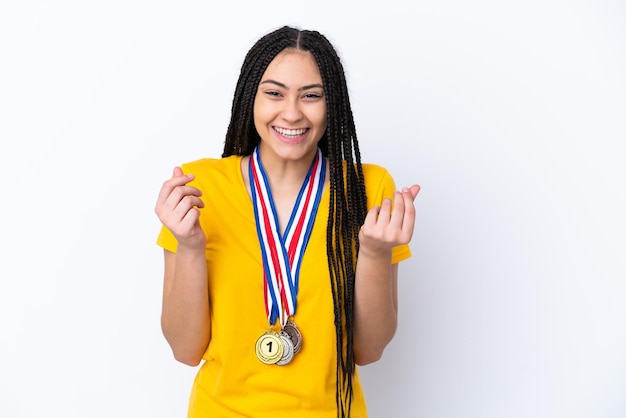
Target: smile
x=290, y=133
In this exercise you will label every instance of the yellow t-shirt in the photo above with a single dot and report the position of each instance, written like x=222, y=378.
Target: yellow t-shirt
x=232, y=382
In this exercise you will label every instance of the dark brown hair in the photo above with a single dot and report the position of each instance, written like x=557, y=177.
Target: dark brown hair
x=348, y=205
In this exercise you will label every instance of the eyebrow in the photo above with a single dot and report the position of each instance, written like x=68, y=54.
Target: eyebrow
x=279, y=84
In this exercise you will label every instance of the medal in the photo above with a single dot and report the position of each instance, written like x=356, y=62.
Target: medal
x=288, y=350
x=269, y=347
x=294, y=333
x=282, y=255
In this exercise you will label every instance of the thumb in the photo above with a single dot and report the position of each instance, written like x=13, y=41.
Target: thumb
x=415, y=189
x=177, y=172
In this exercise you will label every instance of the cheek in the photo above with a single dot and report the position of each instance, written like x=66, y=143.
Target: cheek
x=316, y=114
x=257, y=116
x=321, y=121
x=323, y=126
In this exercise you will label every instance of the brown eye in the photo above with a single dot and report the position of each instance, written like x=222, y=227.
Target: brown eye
x=312, y=96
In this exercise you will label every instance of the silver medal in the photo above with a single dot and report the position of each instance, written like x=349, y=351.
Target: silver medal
x=288, y=349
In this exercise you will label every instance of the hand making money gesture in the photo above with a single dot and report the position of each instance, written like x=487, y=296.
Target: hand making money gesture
x=177, y=208
x=385, y=227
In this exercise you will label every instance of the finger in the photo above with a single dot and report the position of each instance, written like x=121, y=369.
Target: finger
x=177, y=180
x=188, y=212
x=188, y=225
x=181, y=220
x=371, y=217
x=181, y=191
x=187, y=203
x=384, y=214
x=408, y=220
x=415, y=189
x=190, y=220
x=398, y=210
x=176, y=196
x=169, y=186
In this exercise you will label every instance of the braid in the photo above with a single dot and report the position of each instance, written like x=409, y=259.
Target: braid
x=241, y=136
x=348, y=202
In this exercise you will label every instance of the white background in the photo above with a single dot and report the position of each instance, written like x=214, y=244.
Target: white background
x=511, y=115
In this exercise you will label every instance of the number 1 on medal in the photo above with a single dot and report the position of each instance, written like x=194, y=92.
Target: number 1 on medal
x=265, y=347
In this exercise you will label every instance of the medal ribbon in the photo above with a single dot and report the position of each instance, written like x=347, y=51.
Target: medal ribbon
x=282, y=254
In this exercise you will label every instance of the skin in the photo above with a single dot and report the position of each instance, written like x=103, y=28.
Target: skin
x=289, y=100
x=290, y=97
x=376, y=287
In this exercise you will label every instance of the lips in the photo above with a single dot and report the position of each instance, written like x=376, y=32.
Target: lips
x=290, y=133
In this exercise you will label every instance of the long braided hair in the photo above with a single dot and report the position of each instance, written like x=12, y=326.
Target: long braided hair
x=339, y=145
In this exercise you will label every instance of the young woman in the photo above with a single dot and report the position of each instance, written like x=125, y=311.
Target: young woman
x=281, y=257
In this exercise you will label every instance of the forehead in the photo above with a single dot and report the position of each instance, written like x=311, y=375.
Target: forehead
x=293, y=65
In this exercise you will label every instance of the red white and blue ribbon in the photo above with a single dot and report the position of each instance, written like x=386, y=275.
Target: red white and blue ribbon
x=282, y=254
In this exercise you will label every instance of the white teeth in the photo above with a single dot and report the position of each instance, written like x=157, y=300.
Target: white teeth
x=290, y=132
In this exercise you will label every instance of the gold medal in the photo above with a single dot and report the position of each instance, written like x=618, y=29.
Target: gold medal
x=288, y=349
x=270, y=347
x=294, y=333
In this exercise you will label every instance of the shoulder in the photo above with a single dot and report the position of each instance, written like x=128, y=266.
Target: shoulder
x=371, y=172
x=374, y=170
x=376, y=176
x=379, y=183
x=205, y=165
x=210, y=173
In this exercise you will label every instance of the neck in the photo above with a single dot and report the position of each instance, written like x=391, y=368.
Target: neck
x=286, y=178
x=286, y=174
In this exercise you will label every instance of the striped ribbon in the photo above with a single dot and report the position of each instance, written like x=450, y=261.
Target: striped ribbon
x=282, y=254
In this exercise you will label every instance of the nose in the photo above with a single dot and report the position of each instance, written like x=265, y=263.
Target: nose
x=291, y=111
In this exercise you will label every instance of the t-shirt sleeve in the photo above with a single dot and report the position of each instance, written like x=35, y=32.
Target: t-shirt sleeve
x=166, y=240
x=380, y=185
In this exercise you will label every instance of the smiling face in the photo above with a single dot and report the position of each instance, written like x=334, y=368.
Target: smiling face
x=290, y=108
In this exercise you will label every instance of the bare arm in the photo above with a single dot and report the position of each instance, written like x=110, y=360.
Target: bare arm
x=185, y=310
x=376, y=288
